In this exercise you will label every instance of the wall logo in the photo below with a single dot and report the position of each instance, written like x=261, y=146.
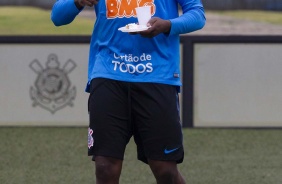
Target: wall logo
x=52, y=88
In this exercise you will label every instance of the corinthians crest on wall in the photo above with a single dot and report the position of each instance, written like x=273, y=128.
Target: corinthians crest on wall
x=52, y=88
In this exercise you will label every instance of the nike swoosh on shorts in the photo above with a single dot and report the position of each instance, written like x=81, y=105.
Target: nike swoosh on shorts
x=166, y=151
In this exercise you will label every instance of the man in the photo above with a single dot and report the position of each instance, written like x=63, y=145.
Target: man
x=134, y=81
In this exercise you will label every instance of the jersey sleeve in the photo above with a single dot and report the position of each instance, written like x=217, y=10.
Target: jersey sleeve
x=192, y=19
x=64, y=12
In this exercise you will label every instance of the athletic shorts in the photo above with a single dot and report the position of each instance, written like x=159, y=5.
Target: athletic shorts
x=147, y=111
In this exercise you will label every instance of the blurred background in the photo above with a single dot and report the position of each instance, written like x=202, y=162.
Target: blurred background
x=275, y=5
x=235, y=100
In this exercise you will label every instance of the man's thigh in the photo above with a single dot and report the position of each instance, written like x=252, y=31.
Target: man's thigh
x=157, y=126
x=109, y=130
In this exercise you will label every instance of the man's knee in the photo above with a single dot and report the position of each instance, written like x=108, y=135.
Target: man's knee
x=107, y=168
x=166, y=172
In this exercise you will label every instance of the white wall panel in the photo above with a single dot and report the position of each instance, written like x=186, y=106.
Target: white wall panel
x=58, y=87
x=238, y=85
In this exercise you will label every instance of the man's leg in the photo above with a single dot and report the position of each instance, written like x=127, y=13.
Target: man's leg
x=158, y=131
x=109, y=130
x=108, y=170
x=166, y=172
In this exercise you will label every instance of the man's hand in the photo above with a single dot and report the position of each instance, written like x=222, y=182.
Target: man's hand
x=81, y=3
x=158, y=26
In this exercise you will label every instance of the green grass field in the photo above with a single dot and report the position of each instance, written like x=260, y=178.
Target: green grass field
x=213, y=156
x=33, y=155
x=35, y=21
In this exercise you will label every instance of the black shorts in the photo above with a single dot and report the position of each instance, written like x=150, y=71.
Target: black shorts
x=148, y=111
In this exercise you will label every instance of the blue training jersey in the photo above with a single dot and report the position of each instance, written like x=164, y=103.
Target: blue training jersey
x=132, y=58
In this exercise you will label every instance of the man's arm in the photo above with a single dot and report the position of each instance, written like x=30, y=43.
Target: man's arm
x=193, y=17
x=65, y=11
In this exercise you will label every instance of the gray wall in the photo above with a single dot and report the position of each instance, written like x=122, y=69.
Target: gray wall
x=237, y=85
x=42, y=66
x=209, y=4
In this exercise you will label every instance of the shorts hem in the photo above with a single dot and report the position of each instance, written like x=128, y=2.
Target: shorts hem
x=105, y=155
x=178, y=161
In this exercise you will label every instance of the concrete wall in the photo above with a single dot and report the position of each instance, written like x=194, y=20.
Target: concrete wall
x=43, y=84
x=237, y=85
